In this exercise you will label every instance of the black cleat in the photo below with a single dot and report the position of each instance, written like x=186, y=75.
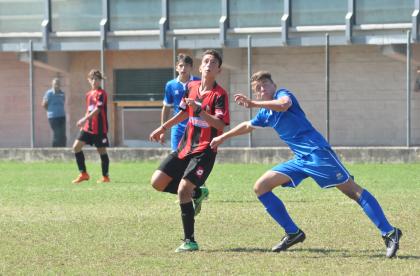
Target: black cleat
x=392, y=242
x=289, y=240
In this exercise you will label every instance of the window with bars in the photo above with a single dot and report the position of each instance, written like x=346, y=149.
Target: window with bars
x=141, y=84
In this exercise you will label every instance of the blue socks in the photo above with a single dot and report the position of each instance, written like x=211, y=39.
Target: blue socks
x=374, y=211
x=278, y=212
x=369, y=204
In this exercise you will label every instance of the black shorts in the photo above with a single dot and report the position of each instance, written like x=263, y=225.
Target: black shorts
x=99, y=141
x=195, y=167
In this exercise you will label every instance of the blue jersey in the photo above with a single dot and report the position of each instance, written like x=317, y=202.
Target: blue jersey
x=174, y=91
x=292, y=126
x=55, y=103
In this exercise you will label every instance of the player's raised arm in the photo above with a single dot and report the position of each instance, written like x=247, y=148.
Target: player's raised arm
x=212, y=120
x=279, y=105
x=241, y=129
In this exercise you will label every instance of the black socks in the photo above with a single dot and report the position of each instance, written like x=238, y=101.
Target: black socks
x=80, y=159
x=187, y=215
x=105, y=164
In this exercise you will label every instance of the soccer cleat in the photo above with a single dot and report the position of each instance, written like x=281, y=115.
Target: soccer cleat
x=82, y=177
x=289, y=240
x=187, y=246
x=199, y=200
x=104, y=179
x=392, y=240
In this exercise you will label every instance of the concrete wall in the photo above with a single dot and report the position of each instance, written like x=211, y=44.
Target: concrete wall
x=367, y=92
x=263, y=155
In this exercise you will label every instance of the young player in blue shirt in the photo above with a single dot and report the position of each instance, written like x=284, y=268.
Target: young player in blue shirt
x=314, y=158
x=174, y=91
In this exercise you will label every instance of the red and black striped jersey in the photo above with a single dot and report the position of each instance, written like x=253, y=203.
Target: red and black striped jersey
x=97, y=124
x=198, y=133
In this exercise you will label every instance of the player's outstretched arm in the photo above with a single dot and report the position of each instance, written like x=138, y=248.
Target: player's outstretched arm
x=156, y=135
x=241, y=129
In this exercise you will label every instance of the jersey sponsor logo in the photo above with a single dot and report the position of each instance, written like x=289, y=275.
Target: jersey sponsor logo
x=176, y=92
x=199, y=172
x=197, y=121
x=339, y=176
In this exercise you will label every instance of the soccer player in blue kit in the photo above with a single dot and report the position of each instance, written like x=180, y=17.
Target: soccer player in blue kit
x=314, y=158
x=174, y=91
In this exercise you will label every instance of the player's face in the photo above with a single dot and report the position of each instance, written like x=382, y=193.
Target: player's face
x=209, y=66
x=264, y=89
x=183, y=69
x=94, y=82
x=56, y=85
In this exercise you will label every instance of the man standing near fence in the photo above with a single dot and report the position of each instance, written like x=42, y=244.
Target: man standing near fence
x=53, y=102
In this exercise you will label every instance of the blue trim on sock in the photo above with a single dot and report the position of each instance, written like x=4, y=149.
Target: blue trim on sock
x=278, y=212
x=374, y=211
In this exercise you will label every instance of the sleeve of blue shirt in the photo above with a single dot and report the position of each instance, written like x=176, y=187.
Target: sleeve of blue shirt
x=47, y=96
x=168, y=98
x=260, y=120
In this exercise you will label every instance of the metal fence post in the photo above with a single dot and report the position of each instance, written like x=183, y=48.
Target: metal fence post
x=327, y=84
x=31, y=93
x=249, y=84
x=408, y=135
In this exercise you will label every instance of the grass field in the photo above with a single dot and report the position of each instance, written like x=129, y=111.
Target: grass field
x=49, y=226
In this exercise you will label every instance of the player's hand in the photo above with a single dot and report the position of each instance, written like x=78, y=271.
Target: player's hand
x=81, y=122
x=216, y=141
x=243, y=100
x=162, y=138
x=156, y=135
x=192, y=103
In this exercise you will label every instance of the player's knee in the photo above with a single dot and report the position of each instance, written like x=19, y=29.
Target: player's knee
x=156, y=182
x=259, y=188
x=75, y=149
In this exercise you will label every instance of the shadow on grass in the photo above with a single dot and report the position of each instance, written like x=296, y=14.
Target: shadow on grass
x=322, y=252
x=242, y=249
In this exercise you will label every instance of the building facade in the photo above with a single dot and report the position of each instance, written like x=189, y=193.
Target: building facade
x=346, y=61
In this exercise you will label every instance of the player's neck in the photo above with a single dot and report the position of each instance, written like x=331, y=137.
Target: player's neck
x=184, y=78
x=207, y=84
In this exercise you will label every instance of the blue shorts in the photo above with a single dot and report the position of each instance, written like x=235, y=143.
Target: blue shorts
x=322, y=165
x=177, y=132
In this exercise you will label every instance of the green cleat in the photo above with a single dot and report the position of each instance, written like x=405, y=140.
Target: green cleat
x=197, y=201
x=187, y=246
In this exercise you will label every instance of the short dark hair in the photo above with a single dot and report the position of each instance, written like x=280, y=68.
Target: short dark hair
x=215, y=54
x=260, y=76
x=181, y=57
x=95, y=73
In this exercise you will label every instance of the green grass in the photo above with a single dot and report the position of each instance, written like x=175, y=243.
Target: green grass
x=50, y=226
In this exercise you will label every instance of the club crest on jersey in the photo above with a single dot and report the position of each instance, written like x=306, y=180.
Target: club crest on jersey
x=199, y=172
x=104, y=140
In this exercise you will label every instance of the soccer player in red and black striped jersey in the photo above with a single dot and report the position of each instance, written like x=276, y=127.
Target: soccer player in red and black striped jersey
x=184, y=171
x=94, y=128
